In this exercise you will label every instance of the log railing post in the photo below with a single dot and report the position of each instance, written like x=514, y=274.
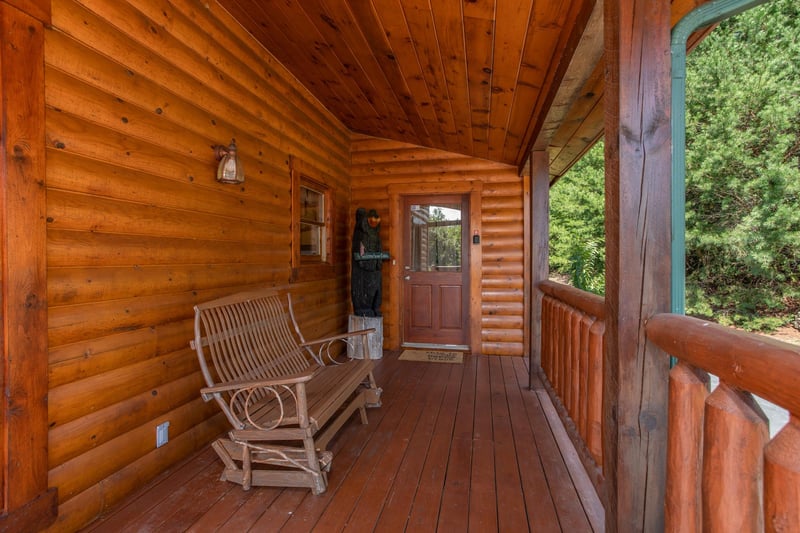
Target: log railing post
x=745, y=483
x=733, y=445
x=576, y=378
x=594, y=392
x=782, y=479
x=688, y=390
x=584, y=371
x=572, y=366
x=546, y=350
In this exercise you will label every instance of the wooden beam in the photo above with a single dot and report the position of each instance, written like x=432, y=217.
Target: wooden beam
x=527, y=261
x=540, y=253
x=571, y=91
x=578, y=15
x=637, y=155
x=37, y=9
x=27, y=504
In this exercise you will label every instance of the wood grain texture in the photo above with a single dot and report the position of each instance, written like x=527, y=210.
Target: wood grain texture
x=734, y=435
x=25, y=501
x=755, y=363
x=688, y=390
x=572, y=23
x=486, y=79
x=138, y=231
x=135, y=231
x=575, y=121
x=586, y=302
x=540, y=250
x=37, y=9
x=782, y=479
x=731, y=420
x=572, y=369
x=637, y=193
x=473, y=79
x=392, y=474
x=594, y=391
x=384, y=170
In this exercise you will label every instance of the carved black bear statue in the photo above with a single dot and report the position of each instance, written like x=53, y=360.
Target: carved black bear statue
x=365, y=279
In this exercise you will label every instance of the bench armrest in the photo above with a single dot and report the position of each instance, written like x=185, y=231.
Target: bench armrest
x=302, y=377
x=325, y=344
x=337, y=337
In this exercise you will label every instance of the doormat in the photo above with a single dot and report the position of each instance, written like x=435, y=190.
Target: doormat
x=432, y=356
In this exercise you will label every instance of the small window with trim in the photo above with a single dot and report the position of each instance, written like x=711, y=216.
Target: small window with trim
x=312, y=211
x=313, y=230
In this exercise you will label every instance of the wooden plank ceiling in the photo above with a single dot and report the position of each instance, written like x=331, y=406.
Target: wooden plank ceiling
x=483, y=78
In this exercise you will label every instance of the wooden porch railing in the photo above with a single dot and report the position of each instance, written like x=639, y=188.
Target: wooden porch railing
x=572, y=360
x=723, y=471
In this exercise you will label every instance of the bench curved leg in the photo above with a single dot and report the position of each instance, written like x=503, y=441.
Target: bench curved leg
x=372, y=392
x=319, y=480
x=247, y=469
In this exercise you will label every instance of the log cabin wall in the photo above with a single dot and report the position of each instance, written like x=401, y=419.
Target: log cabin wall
x=382, y=167
x=138, y=231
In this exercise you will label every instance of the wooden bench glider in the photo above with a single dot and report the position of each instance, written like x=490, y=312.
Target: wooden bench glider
x=284, y=397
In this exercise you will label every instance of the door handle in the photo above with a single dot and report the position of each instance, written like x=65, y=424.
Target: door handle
x=407, y=278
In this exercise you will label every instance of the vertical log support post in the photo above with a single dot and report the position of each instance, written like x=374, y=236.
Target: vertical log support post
x=27, y=504
x=637, y=174
x=540, y=253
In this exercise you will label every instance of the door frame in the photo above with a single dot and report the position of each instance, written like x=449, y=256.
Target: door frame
x=397, y=193
x=436, y=278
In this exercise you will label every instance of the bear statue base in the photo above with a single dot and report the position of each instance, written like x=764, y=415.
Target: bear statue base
x=355, y=350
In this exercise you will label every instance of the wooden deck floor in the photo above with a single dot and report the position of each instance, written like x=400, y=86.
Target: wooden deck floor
x=455, y=447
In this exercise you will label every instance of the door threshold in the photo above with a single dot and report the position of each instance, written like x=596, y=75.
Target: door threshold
x=429, y=346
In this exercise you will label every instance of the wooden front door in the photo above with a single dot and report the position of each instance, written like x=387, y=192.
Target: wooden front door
x=436, y=270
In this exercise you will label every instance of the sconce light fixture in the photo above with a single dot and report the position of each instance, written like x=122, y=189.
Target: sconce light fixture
x=230, y=166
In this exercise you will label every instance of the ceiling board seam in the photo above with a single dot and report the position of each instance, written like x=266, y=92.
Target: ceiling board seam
x=342, y=95
x=516, y=80
x=414, y=119
x=341, y=72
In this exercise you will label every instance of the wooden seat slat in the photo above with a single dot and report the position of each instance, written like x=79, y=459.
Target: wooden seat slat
x=283, y=403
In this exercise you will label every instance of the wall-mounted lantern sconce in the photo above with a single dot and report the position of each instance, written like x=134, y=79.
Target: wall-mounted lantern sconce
x=230, y=166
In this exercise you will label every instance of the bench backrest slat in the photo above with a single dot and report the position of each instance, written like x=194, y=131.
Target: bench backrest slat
x=245, y=337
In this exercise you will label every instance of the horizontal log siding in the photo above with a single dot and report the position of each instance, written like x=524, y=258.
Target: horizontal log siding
x=137, y=93
x=378, y=164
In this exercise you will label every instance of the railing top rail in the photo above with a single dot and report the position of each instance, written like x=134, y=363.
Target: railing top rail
x=589, y=303
x=755, y=363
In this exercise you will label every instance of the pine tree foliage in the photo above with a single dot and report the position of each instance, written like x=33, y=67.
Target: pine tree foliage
x=743, y=178
x=577, y=233
x=743, y=169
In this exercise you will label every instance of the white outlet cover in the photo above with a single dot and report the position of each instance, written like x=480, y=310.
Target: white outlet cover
x=162, y=434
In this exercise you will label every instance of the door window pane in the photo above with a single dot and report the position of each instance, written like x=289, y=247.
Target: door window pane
x=436, y=237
